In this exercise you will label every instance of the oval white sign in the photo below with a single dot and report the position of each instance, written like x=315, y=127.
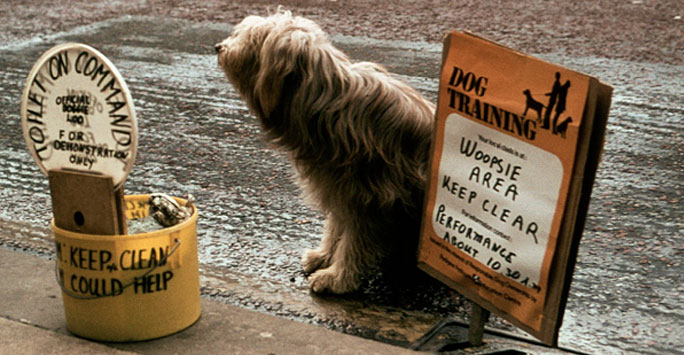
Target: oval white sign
x=77, y=113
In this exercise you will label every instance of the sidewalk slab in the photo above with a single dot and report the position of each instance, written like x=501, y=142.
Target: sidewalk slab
x=32, y=321
x=19, y=338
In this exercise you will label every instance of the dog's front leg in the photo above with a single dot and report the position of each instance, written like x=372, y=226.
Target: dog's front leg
x=343, y=274
x=315, y=259
x=351, y=255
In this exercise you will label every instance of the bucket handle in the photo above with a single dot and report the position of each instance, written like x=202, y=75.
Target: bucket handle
x=60, y=282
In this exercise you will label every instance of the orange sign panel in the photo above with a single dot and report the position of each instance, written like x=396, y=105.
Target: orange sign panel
x=507, y=174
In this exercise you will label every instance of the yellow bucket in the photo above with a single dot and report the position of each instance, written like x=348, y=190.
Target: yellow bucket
x=130, y=287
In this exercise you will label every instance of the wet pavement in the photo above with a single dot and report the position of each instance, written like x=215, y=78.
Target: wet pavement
x=196, y=136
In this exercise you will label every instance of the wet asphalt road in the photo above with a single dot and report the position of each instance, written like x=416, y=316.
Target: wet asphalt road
x=197, y=137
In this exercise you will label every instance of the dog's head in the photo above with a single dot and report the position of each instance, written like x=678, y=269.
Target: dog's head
x=265, y=56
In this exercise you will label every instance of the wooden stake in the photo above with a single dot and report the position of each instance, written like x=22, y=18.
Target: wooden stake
x=478, y=318
x=87, y=203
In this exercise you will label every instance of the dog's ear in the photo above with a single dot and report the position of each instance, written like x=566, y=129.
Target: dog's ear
x=284, y=60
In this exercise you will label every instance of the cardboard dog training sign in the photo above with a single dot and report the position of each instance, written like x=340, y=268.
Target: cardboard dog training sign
x=515, y=153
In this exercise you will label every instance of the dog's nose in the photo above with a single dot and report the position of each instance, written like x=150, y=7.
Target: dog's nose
x=218, y=47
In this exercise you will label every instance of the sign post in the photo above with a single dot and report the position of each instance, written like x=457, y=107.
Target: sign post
x=478, y=318
x=515, y=153
x=80, y=127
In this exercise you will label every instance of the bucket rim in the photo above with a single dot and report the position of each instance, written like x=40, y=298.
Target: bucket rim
x=160, y=232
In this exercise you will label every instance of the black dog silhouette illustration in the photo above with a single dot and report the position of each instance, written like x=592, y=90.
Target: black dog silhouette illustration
x=556, y=105
x=563, y=127
x=531, y=103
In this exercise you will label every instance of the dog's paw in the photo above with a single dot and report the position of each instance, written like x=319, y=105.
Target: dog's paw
x=331, y=280
x=313, y=260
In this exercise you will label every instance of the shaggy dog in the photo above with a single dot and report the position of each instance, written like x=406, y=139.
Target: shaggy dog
x=358, y=138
